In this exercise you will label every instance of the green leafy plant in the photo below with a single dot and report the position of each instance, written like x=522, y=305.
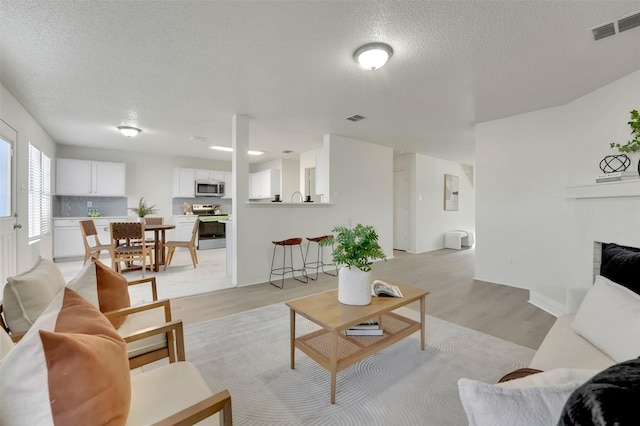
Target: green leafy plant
x=634, y=144
x=143, y=208
x=356, y=246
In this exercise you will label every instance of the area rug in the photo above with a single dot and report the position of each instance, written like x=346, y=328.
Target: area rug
x=248, y=354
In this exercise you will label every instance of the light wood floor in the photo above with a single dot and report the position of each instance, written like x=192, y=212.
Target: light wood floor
x=448, y=274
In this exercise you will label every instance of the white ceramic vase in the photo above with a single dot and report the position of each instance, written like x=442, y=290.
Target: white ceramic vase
x=354, y=286
x=140, y=219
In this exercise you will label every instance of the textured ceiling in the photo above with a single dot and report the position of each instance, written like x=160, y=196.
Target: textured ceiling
x=179, y=69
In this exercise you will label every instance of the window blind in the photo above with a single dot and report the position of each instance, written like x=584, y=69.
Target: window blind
x=39, y=193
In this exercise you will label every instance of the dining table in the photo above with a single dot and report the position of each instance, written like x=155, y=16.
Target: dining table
x=159, y=240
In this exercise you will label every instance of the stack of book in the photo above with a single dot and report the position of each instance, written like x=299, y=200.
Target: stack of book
x=368, y=328
x=617, y=176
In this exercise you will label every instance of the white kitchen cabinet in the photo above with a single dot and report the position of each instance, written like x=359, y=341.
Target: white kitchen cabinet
x=67, y=238
x=184, y=227
x=184, y=183
x=215, y=175
x=228, y=185
x=264, y=184
x=90, y=178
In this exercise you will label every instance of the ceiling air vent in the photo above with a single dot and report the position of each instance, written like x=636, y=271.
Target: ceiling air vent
x=622, y=24
x=287, y=151
x=356, y=118
x=629, y=22
x=604, y=31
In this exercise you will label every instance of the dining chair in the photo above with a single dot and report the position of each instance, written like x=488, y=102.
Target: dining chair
x=123, y=246
x=155, y=220
x=91, y=249
x=191, y=245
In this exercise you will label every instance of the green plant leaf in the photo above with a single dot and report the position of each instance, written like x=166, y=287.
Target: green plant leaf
x=356, y=246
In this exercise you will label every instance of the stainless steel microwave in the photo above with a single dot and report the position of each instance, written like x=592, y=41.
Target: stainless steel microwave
x=209, y=188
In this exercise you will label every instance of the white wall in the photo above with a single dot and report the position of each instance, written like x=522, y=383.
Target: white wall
x=361, y=184
x=29, y=131
x=428, y=221
x=524, y=165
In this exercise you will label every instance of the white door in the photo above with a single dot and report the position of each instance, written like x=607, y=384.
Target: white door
x=400, y=210
x=8, y=216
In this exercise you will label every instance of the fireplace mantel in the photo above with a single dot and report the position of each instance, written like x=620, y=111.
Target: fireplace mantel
x=625, y=188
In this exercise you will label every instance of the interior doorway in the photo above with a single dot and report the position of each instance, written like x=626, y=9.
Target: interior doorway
x=400, y=210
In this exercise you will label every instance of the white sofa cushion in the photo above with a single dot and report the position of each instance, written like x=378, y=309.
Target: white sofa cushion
x=27, y=295
x=564, y=348
x=536, y=399
x=185, y=386
x=609, y=318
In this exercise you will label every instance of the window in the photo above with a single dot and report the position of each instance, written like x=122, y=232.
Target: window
x=5, y=178
x=39, y=193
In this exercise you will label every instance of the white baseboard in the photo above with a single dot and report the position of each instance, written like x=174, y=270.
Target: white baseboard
x=546, y=304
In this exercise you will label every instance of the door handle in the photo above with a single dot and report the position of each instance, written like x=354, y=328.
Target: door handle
x=17, y=226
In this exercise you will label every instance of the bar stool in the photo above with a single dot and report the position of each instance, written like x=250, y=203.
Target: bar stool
x=287, y=269
x=319, y=263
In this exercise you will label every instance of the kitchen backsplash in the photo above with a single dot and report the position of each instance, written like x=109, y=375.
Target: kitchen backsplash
x=69, y=206
x=178, y=203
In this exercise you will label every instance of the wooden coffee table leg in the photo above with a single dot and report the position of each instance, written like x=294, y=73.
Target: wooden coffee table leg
x=422, y=320
x=292, y=336
x=334, y=364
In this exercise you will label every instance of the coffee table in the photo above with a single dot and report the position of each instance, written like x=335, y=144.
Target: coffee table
x=332, y=348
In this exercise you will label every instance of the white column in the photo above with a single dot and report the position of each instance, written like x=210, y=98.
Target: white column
x=240, y=193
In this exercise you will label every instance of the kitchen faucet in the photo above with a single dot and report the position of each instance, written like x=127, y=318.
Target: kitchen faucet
x=297, y=192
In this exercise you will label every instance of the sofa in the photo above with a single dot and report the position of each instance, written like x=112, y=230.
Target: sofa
x=580, y=352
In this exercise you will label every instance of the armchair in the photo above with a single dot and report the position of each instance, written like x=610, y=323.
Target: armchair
x=42, y=283
x=174, y=394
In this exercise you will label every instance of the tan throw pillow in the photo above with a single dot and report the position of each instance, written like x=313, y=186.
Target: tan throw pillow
x=70, y=368
x=113, y=291
x=27, y=295
x=104, y=288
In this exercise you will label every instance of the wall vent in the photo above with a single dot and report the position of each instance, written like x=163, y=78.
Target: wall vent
x=612, y=28
x=629, y=22
x=356, y=117
x=604, y=31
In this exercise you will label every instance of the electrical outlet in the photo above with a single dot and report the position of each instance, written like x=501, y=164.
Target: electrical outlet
x=89, y=204
x=512, y=260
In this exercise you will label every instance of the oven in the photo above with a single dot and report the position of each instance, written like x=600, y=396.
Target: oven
x=211, y=230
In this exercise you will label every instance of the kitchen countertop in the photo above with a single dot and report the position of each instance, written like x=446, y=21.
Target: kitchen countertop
x=87, y=217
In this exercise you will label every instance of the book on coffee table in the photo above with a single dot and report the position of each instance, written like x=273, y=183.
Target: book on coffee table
x=381, y=288
x=372, y=324
x=370, y=332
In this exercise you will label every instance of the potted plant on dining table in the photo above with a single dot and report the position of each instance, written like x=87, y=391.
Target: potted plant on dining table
x=143, y=209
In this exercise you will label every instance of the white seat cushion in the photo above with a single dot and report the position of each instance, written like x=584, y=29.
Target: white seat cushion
x=564, y=348
x=164, y=391
x=139, y=321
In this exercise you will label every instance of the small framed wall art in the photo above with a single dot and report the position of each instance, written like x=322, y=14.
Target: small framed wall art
x=451, y=192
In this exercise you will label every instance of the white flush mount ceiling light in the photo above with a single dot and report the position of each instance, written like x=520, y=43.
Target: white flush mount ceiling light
x=129, y=131
x=229, y=149
x=373, y=55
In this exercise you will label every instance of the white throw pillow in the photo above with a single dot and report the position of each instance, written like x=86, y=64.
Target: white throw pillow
x=533, y=400
x=27, y=295
x=609, y=318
